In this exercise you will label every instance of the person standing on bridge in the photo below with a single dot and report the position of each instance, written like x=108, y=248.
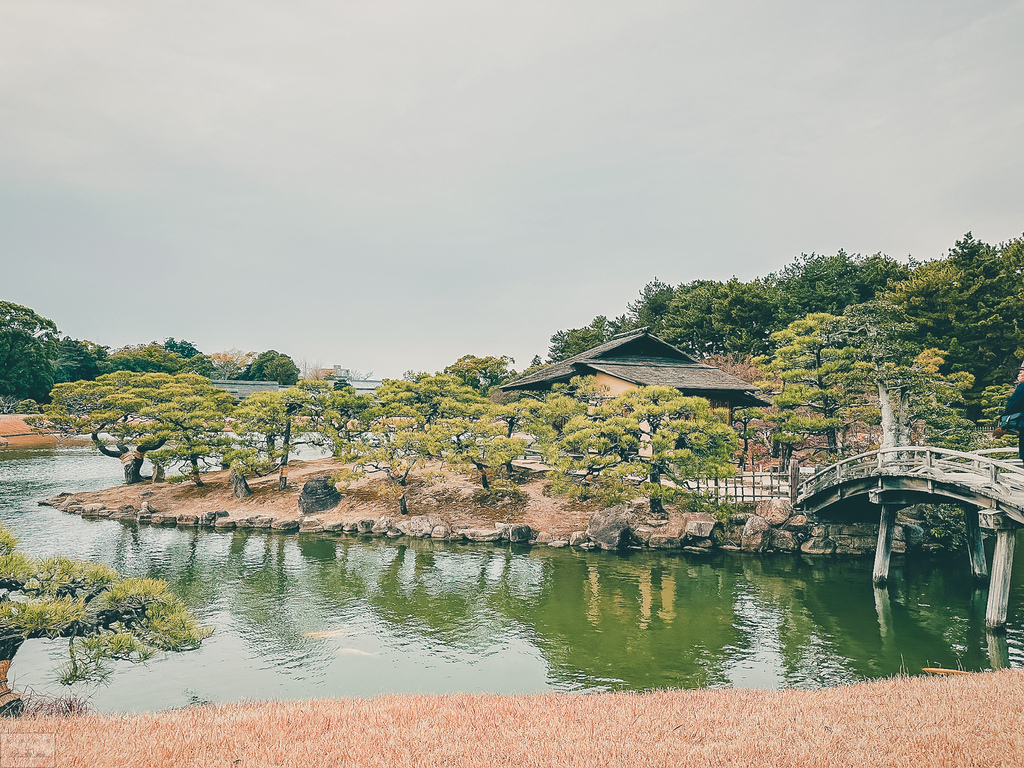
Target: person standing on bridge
x=1014, y=406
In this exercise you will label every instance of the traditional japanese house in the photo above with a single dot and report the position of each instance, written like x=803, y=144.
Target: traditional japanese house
x=639, y=358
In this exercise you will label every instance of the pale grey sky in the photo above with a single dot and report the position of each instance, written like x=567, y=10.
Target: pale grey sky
x=390, y=185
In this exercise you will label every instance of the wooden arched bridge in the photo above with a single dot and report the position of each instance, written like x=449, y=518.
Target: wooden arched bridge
x=989, y=485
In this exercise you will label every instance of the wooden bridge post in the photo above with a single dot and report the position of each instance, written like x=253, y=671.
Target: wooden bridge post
x=794, y=480
x=883, y=551
x=999, y=585
x=975, y=546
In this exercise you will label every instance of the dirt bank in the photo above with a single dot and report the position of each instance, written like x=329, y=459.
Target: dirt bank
x=963, y=720
x=16, y=433
x=455, y=499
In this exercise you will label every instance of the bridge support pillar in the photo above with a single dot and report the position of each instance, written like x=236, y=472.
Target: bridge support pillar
x=975, y=547
x=883, y=551
x=999, y=586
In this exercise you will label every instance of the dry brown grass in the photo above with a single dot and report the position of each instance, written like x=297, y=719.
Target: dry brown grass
x=970, y=720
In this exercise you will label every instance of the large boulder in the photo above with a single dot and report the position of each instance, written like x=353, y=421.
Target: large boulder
x=318, y=495
x=756, y=534
x=775, y=511
x=518, y=533
x=612, y=528
x=239, y=485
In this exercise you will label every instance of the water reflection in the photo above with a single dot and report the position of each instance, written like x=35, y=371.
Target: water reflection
x=322, y=615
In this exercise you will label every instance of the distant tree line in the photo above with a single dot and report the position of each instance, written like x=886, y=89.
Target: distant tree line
x=34, y=356
x=969, y=305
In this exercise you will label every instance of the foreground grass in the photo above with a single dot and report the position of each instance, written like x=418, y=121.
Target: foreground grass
x=968, y=720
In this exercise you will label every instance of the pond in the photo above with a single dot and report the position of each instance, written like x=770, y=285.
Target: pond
x=332, y=616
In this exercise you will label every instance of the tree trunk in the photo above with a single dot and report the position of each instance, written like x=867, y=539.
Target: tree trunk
x=239, y=485
x=11, y=704
x=286, y=444
x=894, y=405
x=131, y=461
x=195, y=472
x=402, y=505
x=654, y=502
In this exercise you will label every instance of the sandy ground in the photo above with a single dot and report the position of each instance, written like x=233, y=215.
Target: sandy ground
x=455, y=498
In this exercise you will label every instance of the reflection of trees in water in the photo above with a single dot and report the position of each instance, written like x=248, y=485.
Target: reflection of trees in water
x=642, y=620
x=832, y=626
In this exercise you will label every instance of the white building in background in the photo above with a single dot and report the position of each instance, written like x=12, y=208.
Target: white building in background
x=242, y=389
x=361, y=386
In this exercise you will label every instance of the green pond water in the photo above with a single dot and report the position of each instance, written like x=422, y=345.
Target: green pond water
x=420, y=616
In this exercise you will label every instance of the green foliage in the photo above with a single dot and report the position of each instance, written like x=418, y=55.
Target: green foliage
x=818, y=283
x=78, y=360
x=565, y=344
x=812, y=363
x=28, y=344
x=645, y=442
x=482, y=373
x=272, y=366
x=708, y=502
x=145, y=358
x=107, y=618
x=970, y=304
x=907, y=380
x=148, y=409
x=708, y=317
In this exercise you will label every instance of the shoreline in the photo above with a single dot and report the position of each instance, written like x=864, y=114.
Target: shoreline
x=962, y=720
x=446, y=506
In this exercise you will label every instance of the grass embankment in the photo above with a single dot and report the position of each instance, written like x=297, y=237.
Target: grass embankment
x=968, y=720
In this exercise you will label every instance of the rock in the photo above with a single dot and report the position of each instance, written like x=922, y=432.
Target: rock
x=756, y=534
x=913, y=535
x=612, y=528
x=784, y=541
x=819, y=545
x=775, y=511
x=518, y=533
x=55, y=501
x=643, y=534
x=796, y=523
x=336, y=527
x=383, y=525
x=122, y=515
x=318, y=495
x=351, y=527
x=189, y=520
x=558, y=544
x=239, y=485
x=127, y=508
x=285, y=526
x=576, y=538
x=422, y=526
x=263, y=521
x=244, y=522
x=544, y=538
x=75, y=509
x=164, y=518
x=311, y=525
x=394, y=533
x=696, y=550
x=440, y=531
x=220, y=513
x=208, y=518
x=365, y=525
x=658, y=541
x=224, y=523
x=482, y=534
x=95, y=510
x=700, y=526
x=588, y=545
x=739, y=519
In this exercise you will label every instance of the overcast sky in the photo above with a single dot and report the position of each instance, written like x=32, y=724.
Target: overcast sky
x=391, y=185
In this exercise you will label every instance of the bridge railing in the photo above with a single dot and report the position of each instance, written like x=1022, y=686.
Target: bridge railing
x=973, y=468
